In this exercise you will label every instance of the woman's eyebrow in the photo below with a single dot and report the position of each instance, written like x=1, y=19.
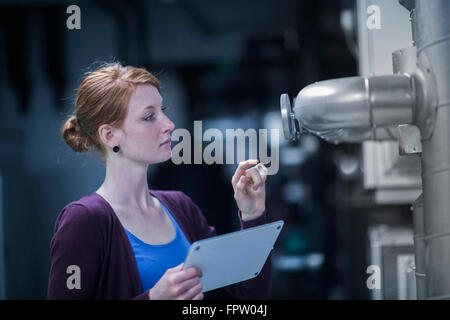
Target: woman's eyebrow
x=150, y=107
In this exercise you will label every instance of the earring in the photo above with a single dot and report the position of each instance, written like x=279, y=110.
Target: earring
x=116, y=149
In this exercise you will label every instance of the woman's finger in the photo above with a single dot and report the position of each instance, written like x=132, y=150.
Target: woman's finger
x=241, y=170
x=263, y=171
x=185, y=274
x=192, y=292
x=199, y=296
x=255, y=175
x=176, y=268
x=187, y=285
x=240, y=186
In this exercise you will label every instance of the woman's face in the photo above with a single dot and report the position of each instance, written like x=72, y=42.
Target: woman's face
x=146, y=127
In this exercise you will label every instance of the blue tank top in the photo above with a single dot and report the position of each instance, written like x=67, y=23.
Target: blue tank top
x=153, y=260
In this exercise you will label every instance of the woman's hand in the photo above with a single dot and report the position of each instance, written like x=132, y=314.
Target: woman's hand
x=249, y=189
x=178, y=284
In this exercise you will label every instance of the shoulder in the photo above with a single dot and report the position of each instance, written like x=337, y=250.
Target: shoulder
x=82, y=228
x=89, y=211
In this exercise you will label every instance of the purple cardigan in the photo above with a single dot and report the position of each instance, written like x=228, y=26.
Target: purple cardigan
x=89, y=235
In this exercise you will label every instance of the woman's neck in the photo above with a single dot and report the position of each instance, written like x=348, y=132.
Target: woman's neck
x=126, y=187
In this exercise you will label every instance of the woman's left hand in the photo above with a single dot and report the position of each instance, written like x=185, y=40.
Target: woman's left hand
x=249, y=189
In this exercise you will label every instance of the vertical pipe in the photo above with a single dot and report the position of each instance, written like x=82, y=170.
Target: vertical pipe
x=419, y=247
x=431, y=26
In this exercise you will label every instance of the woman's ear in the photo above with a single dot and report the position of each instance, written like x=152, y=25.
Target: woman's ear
x=108, y=135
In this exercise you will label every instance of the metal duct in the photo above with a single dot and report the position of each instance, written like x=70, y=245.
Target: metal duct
x=351, y=109
x=431, y=33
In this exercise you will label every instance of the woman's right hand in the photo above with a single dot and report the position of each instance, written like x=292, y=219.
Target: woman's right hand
x=178, y=284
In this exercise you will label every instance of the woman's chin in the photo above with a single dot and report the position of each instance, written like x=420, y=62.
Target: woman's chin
x=167, y=157
x=160, y=159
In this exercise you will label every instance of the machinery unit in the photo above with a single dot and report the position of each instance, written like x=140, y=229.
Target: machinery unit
x=408, y=106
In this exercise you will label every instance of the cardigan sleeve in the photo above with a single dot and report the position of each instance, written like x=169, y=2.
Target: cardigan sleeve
x=255, y=288
x=75, y=254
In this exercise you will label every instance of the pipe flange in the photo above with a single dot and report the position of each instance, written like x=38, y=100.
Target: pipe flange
x=425, y=110
x=288, y=118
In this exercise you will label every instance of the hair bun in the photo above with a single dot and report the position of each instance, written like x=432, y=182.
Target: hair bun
x=73, y=136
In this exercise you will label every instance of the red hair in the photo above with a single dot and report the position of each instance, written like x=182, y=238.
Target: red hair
x=102, y=98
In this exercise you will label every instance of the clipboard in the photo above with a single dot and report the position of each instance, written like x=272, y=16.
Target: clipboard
x=232, y=257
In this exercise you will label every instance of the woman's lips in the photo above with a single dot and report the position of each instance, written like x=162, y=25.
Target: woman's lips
x=167, y=143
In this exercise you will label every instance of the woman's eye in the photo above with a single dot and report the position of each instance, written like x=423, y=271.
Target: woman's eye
x=152, y=116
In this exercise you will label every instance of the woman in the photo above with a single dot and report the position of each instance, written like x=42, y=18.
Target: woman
x=126, y=241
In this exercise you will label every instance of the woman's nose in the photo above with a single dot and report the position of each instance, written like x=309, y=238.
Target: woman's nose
x=168, y=125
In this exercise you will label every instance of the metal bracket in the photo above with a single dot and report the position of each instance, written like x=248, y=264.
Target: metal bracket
x=404, y=60
x=409, y=140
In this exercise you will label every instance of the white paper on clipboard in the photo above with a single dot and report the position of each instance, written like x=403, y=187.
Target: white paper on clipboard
x=233, y=257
